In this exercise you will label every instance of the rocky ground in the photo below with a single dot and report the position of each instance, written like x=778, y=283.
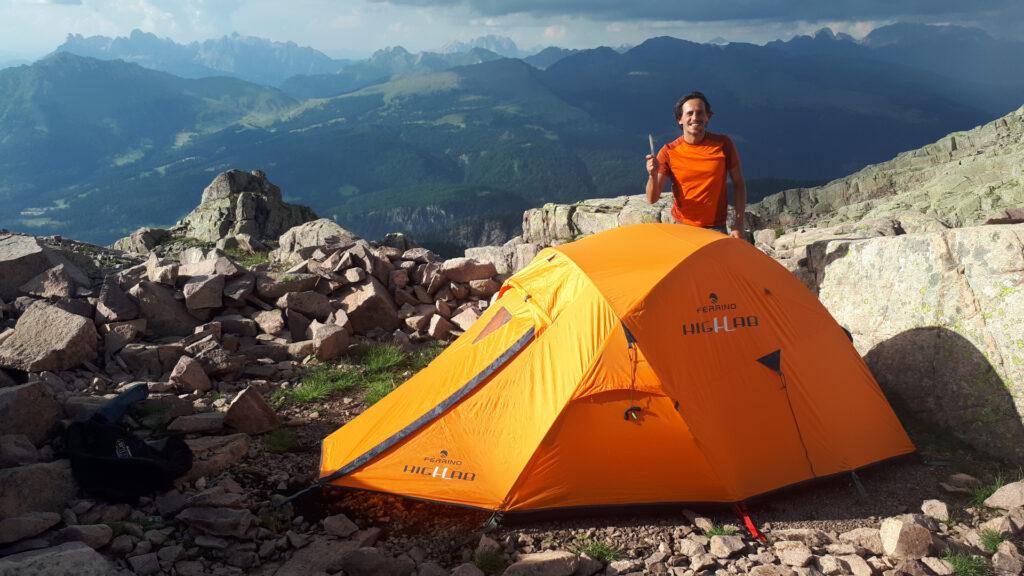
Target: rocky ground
x=232, y=353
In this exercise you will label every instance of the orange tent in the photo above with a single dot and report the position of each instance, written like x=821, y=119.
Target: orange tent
x=655, y=363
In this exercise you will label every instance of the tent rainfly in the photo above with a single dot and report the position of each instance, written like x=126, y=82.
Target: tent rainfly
x=649, y=364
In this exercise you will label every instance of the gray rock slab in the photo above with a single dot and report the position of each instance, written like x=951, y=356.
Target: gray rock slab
x=70, y=559
x=43, y=487
x=49, y=338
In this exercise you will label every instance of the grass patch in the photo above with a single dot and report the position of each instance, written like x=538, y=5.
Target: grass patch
x=318, y=383
x=378, y=388
x=383, y=357
x=248, y=259
x=981, y=493
x=968, y=565
x=598, y=551
x=719, y=530
x=991, y=539
x=281, y=441
x=489, y=561
x=376, y=370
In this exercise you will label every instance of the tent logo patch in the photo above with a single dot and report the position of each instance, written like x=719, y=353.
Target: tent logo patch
x=718, y=324
x=442, y=468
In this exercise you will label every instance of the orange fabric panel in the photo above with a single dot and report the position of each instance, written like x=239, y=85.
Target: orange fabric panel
x=492, y=434
x=614, y=370
x=698, y=175
x=626, y=263
x=592, y=456
x=702, y=329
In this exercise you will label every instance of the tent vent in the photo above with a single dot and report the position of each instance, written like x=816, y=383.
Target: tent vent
x=773, y=361
x=630, y=339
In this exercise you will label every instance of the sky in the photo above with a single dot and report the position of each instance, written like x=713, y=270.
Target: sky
x=356, y=28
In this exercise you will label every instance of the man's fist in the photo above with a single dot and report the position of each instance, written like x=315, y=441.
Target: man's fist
x=652, y=164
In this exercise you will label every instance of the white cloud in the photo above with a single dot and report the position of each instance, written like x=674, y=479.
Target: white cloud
x=555, y=33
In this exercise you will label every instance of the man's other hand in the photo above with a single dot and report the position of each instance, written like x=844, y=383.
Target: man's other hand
x=736, y=234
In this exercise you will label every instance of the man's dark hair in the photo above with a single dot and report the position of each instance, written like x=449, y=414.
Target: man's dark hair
x=678, y=110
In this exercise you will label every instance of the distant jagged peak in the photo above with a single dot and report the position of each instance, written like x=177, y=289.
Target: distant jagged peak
x=502, y=45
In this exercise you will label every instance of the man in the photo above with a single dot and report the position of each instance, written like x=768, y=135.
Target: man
x=696, y=164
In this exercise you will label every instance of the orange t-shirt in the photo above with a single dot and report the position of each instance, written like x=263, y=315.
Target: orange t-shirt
x=698, y=178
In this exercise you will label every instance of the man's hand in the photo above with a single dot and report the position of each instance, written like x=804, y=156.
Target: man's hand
x=736, y=233
x=652, y=165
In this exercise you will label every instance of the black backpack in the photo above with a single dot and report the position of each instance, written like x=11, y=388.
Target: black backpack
x=111, y=463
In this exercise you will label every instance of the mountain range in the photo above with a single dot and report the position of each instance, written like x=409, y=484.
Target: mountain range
x=95, y=149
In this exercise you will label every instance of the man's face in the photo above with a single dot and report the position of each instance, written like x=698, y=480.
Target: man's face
x=695, y=118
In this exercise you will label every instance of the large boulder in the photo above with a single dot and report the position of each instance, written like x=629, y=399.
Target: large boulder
x=238, y=202
x=23, y=258
x=49, y=338
x=369, y=306
x=937, y=318
x=142, y=241
x=297, y=243
x=554, y=224
x=164, y=314
x=958, y=180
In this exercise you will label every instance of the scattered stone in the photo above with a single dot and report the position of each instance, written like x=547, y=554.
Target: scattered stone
x=557, y=563
x=373, y=562
x=188, y=374
x=218, y=521
x=29, y=410
x=467, y=269
x=726, y=546
x=903, y=539
x=70, y=559
x=203, y=292
x=49, y=338
x=16, y=449
x=339, y=525
x=250, y=413
x=1007, y=497
x=26, y=526
x=54, y=283
x=43, y=487
x=795, y=554
x=95, y=536
x=369, y=306
x=867, y=538
x=163, y=312
x=204, y=423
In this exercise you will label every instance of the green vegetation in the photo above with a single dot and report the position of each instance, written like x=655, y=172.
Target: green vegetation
x=318, y=383
x=280, y=441
x=382, y=358
x=968, y=565
x=991, y=539
x=180, y=244
x=978, y=494
x=489, y=561
x=376, y=369
x=598, y=551
x=719, y=530
x=248, y=259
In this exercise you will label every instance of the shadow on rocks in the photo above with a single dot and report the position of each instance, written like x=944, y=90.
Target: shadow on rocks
x=940, y=384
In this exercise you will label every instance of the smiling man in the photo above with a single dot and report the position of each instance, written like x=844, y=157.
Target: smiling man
x=697, y=164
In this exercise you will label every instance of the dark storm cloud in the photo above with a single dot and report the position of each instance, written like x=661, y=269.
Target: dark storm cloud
x=724, y=10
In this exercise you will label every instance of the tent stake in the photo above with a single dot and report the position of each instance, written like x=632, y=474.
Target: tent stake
x=856, y=483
